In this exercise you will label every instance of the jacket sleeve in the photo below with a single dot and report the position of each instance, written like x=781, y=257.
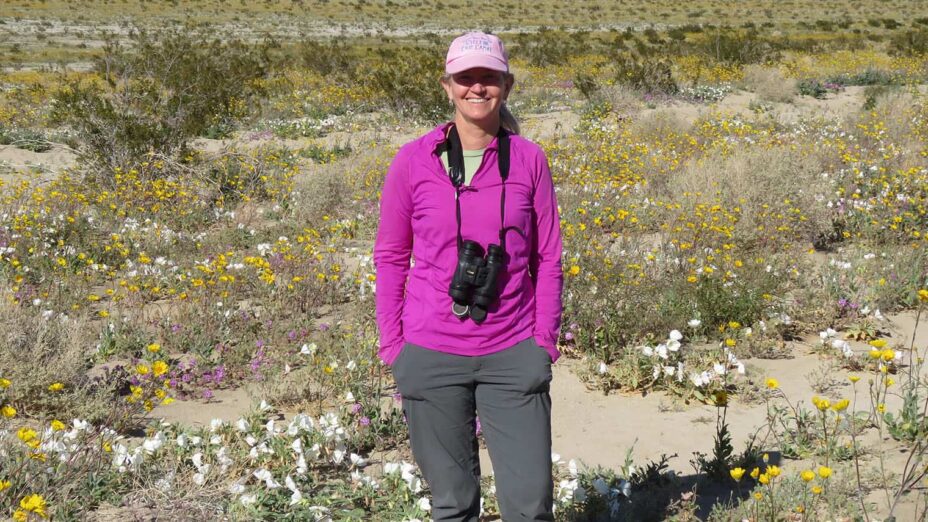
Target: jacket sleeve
x=545, y=264
x=392, y=251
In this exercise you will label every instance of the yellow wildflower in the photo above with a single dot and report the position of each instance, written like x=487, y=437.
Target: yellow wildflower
x=55, y=387
x=824, y=472
x=807, y=475
x=820, y=403
x=4, y=484
x=853, y=378
x=841, y=405
x=878, y=343
x=574, y=270
x=817, y=490
x=142, y=369
x=764, y=479
x=5, y=383
x=153, y=348
x=8, y=411
x=736, y=473
x=773, y=471
x=35, y=504
x=755, y=473
x=26, y=434
x=159, y=368
x=773, y=383
x=923, y=295
x=57, y=425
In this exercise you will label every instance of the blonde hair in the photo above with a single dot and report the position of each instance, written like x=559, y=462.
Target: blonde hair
x=506, y=119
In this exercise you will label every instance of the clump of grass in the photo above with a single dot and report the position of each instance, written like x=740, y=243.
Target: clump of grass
x=46, y=361
x=769, y=84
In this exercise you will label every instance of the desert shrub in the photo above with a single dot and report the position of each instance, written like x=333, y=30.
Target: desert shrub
x=37, y=353
x=873, y=94
x=910, y=43
x=325, y=193
x=658, y=125
x=550, y=47
x=587, y=84
x=811, y=87
x=764, y=182
x=867, y=77
x=769, y=84
x=406, y=79
x=159, y=91
x=327, y=58
x=860, y=278
x=26, y=139
x=646, y=74
x=731, y=46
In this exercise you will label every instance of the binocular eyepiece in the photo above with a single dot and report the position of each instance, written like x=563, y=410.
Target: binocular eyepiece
x=474, y=284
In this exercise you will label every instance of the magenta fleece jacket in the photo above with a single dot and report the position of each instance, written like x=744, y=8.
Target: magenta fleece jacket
x=417, y=219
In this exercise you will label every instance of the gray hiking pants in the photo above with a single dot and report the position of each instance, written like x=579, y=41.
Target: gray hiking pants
x=442, y=393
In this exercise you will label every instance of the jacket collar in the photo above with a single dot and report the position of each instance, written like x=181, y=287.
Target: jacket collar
x=439, y=134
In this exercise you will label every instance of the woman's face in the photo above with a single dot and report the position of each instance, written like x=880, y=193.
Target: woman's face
x=478, y=93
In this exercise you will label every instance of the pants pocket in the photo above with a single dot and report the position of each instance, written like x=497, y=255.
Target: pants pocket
x=535, y=375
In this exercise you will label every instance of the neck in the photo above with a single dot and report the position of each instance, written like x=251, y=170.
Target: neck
x=474, y=135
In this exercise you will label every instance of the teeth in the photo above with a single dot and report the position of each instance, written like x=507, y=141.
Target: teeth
x=477, y=100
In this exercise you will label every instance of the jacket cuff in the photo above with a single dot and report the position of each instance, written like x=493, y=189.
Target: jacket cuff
x=388, y=353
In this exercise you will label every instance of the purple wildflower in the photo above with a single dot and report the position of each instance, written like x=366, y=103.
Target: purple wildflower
x=219, y=373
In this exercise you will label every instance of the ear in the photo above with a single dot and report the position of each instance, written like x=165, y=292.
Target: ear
x=446, y=85
x=508, y=81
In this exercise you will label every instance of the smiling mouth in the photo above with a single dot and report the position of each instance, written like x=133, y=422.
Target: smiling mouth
x=477, y=100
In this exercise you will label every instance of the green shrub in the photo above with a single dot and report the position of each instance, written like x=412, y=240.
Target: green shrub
x=736, y=47
x=811, y=87
x=587, y=85
x=160, y=91
x=26, y=139
x=327, y=59
x=550, y=47
x=866, y=77
x=910, y=43
x=406, y=79
x=649, y=75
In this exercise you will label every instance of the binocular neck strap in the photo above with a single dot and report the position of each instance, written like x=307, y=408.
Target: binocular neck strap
x=456, y=173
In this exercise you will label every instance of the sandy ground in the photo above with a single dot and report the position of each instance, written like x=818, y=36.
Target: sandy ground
x=598, y=429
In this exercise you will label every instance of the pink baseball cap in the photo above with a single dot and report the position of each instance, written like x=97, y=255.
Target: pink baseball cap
x=476, y=50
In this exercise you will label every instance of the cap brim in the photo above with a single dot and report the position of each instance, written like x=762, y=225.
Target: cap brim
x=474, y=61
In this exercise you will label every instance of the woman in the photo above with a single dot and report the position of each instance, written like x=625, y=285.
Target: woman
x=469, y=333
